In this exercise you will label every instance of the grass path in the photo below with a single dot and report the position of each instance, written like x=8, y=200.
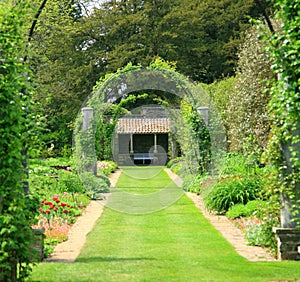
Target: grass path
x=173, y=244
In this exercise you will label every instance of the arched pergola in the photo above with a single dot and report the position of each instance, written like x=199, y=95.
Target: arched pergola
x=136, y=79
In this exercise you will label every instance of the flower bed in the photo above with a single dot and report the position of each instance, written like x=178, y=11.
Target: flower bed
x=56, y=217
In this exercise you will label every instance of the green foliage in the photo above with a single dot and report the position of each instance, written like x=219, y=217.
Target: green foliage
x=192, y=183
x=101, y=41
x=239, y=182
x=95, y=186
x=261, y=234
x=59, y=95
x=232, y=190
x=236, y=164
x=69, y=182
x=249, y=119
x=173, y=162
x=284, y=108
x=220, y=92
x=53, y=176
x=259, y=228
x=15, y=214
x=106, y=167
x=210, y=29
x=241, y=210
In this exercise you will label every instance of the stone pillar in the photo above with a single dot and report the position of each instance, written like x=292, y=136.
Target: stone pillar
x=288, y=242
x=203, y=111
x=88, y=140
x=288, y=236
x=155, y=144
x=87, y=115
x=131, y=144
x=37, y=247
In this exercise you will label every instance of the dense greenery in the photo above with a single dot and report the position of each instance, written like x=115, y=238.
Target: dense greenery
x=17, y=207
x=201, y=38
x=63, y=195
x=210, y=42
x=284, y=108
x=61, y=198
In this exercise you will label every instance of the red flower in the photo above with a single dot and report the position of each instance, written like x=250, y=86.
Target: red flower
x=47, y=212
x=48, y=203
x=63, y=205
x=56, y=199
x=64, y=211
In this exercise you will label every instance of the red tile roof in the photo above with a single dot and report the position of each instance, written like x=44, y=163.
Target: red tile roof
x=143, y=125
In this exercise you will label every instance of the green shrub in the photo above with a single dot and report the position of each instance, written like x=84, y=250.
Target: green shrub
x=95, y=186
x=235, y=164
x=69, y=182
x=241, y=210
x=259, y=231
x=230, y=191
x=261, y=234
x=104, y=178
x=173, y=162
x=106, y=167
x=192, y=183
x=236, y=211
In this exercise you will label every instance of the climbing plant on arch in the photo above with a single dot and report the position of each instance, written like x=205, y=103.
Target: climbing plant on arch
x=157, y=76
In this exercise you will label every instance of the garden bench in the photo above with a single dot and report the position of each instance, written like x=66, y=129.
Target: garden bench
x=143, y=157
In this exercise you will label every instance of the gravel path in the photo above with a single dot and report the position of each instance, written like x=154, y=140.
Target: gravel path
x=68, y=251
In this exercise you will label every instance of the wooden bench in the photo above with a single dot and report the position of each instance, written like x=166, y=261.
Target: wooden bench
x=143, y=157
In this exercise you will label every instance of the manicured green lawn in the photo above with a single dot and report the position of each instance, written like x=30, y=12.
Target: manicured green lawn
x=175, y=243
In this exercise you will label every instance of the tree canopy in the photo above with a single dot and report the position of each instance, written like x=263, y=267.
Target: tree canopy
x=72, y=48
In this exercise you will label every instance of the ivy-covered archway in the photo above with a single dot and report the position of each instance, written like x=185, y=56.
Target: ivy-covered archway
x=200, y=133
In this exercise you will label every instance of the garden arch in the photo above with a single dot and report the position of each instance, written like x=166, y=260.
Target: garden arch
x=133, y=79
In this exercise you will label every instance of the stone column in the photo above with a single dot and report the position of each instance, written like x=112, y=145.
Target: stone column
x=203, y=111
x=88, y=140
x=288, y=235
x=87, y=115
x=131, y=144
x=155, y=144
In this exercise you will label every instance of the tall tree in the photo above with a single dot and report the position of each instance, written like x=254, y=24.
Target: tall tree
x=72, y=52
x=62, y=72
x=247, y=115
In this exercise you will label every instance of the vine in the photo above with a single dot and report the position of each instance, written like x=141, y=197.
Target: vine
x=285, y=107
x=105, y=129
x=17, y=209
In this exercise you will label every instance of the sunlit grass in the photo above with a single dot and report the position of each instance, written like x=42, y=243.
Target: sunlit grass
x=173, y=244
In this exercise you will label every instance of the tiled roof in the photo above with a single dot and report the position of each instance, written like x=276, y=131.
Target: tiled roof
x=143, y=125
